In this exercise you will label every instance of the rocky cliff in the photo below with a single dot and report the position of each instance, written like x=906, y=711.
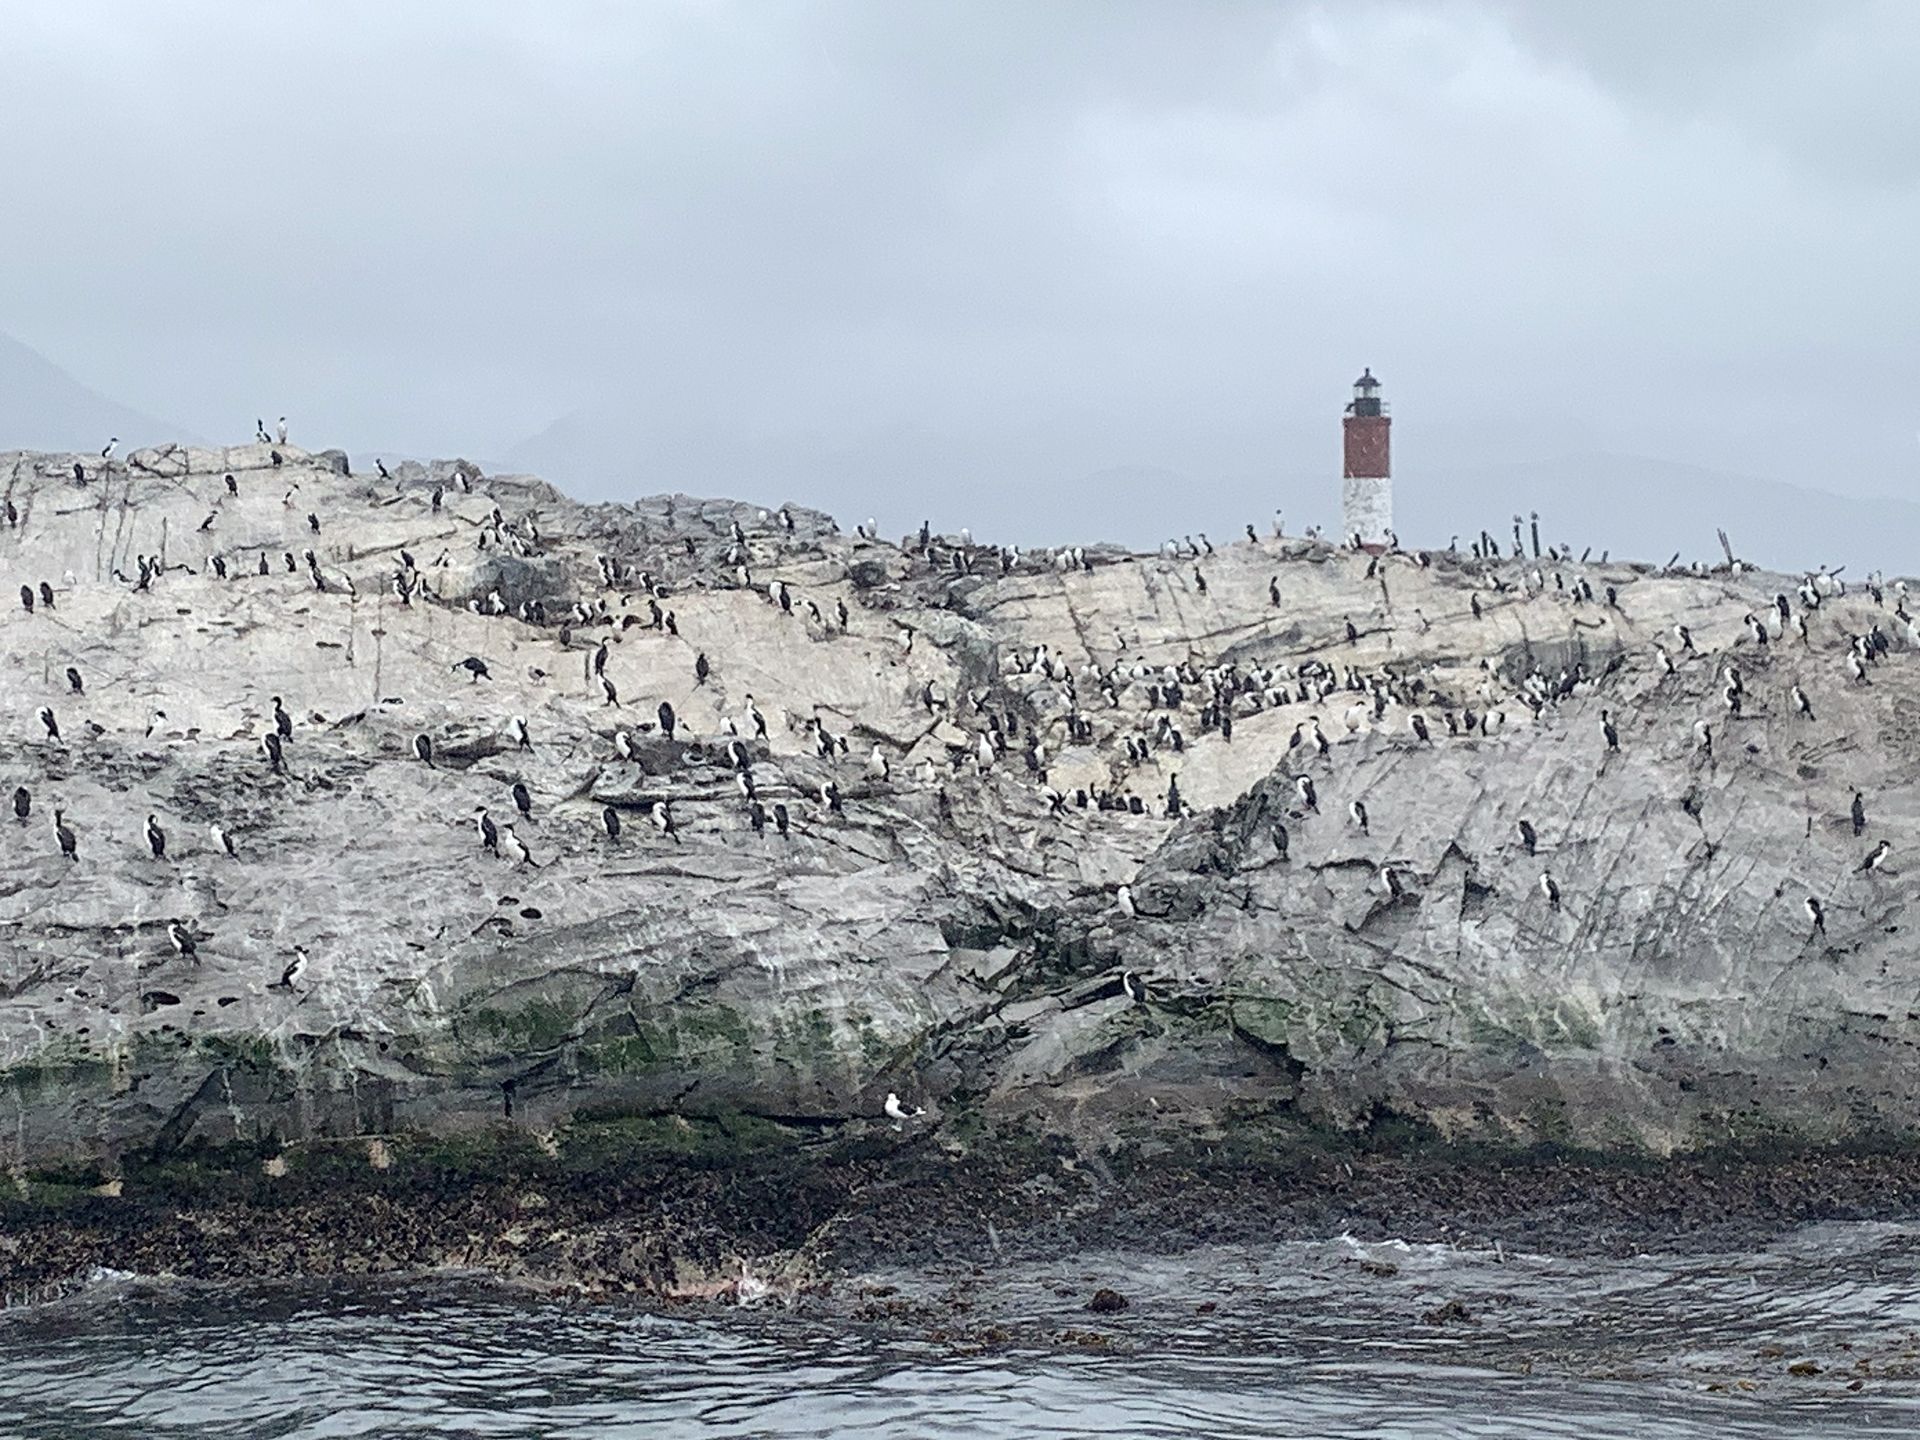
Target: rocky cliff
x=981, y=901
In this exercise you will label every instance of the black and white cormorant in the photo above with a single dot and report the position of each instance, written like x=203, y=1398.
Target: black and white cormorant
x=1859, y=812
x=1817, y=913
x=22, y=803
x=489, y=832
x=610, y=818
x=46, y=719
x=1550, y=888
x=182, y=939
x=156, y=838
x=475, y=667
x=282, y=722
x=222, y=840
x=423, y=749
x=1876, y=857
x=522, y=799
x=516, y=850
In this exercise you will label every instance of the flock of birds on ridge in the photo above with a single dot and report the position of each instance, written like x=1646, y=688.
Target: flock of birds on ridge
x=1212, y=695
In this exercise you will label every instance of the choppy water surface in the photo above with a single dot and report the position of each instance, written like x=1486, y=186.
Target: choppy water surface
x=1302, y=1339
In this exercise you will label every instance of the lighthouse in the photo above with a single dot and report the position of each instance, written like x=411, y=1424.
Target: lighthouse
x=1366, y=481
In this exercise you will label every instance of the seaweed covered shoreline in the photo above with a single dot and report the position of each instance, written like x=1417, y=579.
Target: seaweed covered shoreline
x=696, y=1210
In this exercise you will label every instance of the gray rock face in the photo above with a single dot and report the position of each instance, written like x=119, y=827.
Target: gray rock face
x=944, y=918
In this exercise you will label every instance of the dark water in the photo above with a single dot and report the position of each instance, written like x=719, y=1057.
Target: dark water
x=1303, y=1340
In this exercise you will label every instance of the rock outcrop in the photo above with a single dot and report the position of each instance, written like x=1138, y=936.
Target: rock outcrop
x=954, y=929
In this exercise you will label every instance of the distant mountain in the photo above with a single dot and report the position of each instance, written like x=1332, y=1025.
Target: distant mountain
x=1028, y=488
x=1646, y=509
x=42, y=407
x=1058, y=487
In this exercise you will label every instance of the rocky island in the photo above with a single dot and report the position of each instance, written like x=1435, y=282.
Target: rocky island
x=835, y=891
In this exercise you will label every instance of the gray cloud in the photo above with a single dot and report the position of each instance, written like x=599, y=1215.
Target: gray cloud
x=987, y=262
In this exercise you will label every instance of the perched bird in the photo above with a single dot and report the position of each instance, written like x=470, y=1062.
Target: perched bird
x=1303, y=786
x=74, y=684
x=893, y=1110
x=475, y=667
x=295, y=971
x=46, y=719
x=1875, y=858
x=1859, y=812
x=222, y=840
x=282, y=722
x=489, y=832
x=520, y=735
x=1551, y=889
x=423, y=749
x=1123, y=897
x=522, y=799
x=69, y=846
x=156, y=838
x=182, y=939
x=1801, y=703
x=781, y=820
x=1817, y=913
x=610, y=818
x=1358, y=811
x=1607, y=729
x=22, y=803
x=1527, y=836
x=1280, y=840
x=516, y=848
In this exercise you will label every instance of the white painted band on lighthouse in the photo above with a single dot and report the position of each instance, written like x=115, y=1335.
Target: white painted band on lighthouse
x=1366, y=508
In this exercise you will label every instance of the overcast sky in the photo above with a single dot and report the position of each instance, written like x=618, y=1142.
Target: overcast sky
x=949, y=255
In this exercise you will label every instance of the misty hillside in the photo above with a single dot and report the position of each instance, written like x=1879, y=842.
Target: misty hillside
x=42, y=407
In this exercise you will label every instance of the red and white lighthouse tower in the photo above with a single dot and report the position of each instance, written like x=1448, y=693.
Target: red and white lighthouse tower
x=1366, y=479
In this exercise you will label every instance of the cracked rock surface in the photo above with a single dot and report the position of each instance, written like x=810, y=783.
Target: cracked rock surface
x=949, y=930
